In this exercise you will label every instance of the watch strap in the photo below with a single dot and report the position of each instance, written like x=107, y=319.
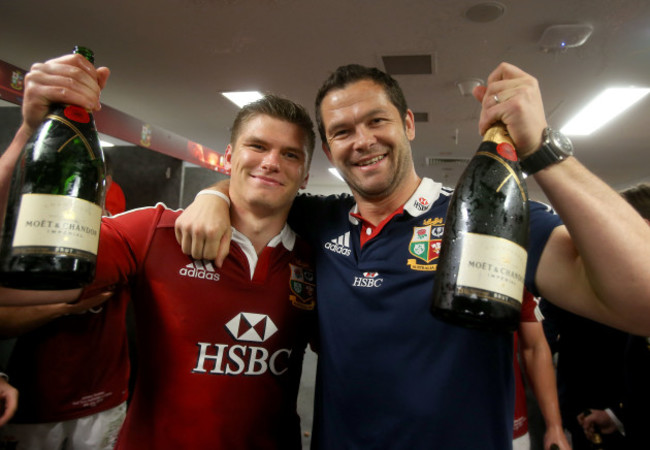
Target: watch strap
x=542, y=158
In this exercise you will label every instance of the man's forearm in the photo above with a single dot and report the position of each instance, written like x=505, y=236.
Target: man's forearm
x=18, y=320
x=600, y=271
x=20, y=297
x=540, y=372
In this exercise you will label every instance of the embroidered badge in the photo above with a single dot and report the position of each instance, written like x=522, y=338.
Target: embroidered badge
x=145, y=135
x=17, y=80
x=425, y=245
x=303, y=287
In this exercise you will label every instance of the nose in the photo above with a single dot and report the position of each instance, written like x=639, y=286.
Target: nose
x=364, y=139
x=271, y=160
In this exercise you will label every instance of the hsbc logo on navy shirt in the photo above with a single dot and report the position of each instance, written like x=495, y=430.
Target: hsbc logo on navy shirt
x=368, y=280
x=421, y=204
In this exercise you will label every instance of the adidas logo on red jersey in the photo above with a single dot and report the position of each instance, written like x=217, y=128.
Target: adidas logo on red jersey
x=203, y=270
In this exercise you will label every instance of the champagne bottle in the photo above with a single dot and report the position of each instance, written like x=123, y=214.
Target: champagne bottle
x=480, y=276
x=50, y=232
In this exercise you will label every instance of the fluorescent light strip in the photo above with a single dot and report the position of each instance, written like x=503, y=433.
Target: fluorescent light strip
x=242, y=98
x=336, y=173
x=607, y=105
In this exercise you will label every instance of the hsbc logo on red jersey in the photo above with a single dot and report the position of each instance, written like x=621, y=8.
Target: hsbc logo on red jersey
x=251, y=327
x=368, y=280
x=224, y=359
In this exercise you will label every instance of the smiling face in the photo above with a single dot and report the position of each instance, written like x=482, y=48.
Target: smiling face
x=268, y=165
x=368, y=141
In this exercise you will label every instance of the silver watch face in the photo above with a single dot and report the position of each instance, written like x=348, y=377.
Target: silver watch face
x=560, y=143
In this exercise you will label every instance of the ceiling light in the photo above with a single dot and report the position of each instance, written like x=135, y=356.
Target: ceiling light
x=467, y=85
x=242, y=98
x=607, y=105
x=336, y=173
x=561, y=37
x=485, y=12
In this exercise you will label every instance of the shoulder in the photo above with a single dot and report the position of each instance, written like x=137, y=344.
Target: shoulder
x=310, y=201
x=160, y=214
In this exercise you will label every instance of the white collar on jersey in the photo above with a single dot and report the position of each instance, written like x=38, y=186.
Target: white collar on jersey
x=420, y=202
x=287, y=238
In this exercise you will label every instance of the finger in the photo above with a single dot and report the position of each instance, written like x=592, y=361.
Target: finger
x=478, y=92
x=178, y=232
x=47, y=87
x=224, y=248
x=505, y=71
x=87, y=303
x=103, y=73
x=99, y=299
x=211, y=246
x=76, y=69
x=197, y=247
x=10, y=406
x=186, y=244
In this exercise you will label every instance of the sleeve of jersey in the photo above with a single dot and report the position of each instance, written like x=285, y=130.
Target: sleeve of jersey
x=543, y=220
x=310, y=213
x=123, y=244
x=528, y=308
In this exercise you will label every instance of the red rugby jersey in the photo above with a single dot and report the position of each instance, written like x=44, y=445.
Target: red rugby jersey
x=219, y=350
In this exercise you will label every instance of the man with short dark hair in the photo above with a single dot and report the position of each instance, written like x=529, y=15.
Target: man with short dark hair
x=219, y=349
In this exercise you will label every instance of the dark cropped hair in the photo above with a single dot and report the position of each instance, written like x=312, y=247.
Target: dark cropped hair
x=639, y=197
x=278, y=108
x=352, y=73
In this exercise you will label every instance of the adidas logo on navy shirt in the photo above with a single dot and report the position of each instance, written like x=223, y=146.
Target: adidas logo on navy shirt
x=340, y=245
x=203, y=270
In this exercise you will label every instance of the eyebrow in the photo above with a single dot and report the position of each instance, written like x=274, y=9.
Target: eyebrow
x=258, y=140
x=342, y=123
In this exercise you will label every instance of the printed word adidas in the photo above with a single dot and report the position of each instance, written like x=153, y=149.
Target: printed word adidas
x=340, y=245
x=203, y=270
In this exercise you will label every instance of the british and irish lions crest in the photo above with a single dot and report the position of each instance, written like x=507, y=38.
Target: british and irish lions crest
x=425, y=245
x=303, y=287
x=17, y=80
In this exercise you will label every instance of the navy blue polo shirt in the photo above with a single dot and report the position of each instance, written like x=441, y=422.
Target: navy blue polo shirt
x=390, y=375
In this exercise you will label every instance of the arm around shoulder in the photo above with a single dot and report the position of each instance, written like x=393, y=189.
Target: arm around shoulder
x=203, y=229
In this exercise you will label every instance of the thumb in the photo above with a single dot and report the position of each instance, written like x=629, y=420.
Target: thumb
x=102, y=76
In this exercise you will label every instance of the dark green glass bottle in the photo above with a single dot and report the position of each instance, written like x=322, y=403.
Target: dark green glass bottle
x=50, y=233
x=480, y=275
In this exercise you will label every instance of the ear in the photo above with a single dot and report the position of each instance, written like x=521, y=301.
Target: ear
x=409, y=125
x=304, y=182
x=327, y=151
x=228, y=161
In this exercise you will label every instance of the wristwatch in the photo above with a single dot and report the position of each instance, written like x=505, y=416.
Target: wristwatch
x=555, y=148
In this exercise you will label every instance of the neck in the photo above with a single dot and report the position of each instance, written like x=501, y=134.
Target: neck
x=258, y=228
x=375, y=210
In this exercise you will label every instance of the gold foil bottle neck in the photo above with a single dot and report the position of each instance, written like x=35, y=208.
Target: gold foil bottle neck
x=498, y=133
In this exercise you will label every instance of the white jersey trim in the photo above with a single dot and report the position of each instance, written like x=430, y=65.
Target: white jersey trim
x=287, y=237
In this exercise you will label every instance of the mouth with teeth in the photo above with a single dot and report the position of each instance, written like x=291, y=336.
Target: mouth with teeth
x=369, y=162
